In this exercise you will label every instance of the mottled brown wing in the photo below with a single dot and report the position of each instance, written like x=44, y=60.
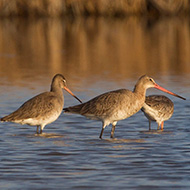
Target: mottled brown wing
x=99, y=105
x=34, y=107
x=160, y=103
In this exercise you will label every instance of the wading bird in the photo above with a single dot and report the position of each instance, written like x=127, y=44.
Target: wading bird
x=116, y=105
x=43, y=108
x=158, y=108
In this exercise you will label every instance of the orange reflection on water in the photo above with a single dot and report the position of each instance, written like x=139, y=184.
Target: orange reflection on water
x=84, y=49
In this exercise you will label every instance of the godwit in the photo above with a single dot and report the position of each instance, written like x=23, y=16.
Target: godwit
x=43, y=108
x=116, y=105
x=158, y=108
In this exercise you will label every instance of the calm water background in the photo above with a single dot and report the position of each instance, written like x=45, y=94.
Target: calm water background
x=95, y=56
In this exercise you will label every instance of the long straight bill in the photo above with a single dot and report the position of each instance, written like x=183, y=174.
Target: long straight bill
x=72, y=94
x=167, y=91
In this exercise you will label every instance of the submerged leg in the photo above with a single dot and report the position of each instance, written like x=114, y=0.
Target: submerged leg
x=103, y=127
x=162, y=125
x=149, y=124
x=37, y=129
x=113, y=129
x=41, y=128
x=158, y=126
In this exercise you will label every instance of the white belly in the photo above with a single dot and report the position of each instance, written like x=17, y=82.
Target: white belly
x=40, y=120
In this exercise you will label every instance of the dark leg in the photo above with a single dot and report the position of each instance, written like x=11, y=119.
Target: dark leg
x=101, y=133
x=149, y=125
x=103, y=127
x=41, y=128
x=113, y=129
x=37, y=129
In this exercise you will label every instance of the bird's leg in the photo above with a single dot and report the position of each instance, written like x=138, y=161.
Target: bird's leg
x=162, y=125
x=149, y=124
x=113, y=129
x=103, y=127
x=37, y=129
x=101, y=133
x=158, y=126
x=41, y=128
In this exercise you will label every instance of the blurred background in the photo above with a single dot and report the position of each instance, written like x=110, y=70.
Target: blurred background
x=85, y=43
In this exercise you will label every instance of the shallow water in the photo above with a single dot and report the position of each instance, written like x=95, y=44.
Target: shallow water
x=69, y=154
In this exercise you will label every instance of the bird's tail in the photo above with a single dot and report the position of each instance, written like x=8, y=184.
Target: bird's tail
x=4, y=119
x=11, y=117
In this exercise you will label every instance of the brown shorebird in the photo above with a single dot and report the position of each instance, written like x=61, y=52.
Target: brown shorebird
x=158, y=108
x=43, y=108
x=116, y=105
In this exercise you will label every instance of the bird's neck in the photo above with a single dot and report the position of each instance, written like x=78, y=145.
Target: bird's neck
x=140, y=90
x=57, y=89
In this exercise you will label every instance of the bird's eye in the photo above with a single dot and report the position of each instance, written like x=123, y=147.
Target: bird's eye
x=150, y=80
